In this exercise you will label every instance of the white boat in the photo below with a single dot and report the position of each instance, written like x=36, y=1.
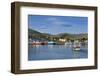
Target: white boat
x=76, y=45
x=51, y=43
x=68, y=43
x=76, y=48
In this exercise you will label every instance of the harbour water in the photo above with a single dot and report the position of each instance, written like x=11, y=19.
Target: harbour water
x=52, y=52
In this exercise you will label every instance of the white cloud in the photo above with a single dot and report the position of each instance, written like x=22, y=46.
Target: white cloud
x=58, y=22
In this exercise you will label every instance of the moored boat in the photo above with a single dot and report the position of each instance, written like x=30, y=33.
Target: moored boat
x=76, y=46
x=51, y=43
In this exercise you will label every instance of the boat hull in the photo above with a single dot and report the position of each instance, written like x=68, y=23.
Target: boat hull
x=77, y=49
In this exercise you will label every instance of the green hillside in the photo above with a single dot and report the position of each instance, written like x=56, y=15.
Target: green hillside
x=48, y=37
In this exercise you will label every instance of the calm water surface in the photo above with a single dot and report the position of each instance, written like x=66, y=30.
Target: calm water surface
x=49, y=52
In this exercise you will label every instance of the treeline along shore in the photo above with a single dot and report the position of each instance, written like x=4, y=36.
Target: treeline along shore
x=35, y=37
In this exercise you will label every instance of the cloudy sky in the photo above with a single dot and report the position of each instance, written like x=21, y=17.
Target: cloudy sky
x=58, y=24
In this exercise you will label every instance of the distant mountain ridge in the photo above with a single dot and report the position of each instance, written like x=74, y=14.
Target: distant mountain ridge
x=33, y=31
x=45, y=36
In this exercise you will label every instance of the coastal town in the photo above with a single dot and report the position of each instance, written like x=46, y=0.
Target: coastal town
x=37, y=38
x=61, y=42
x=57, y=37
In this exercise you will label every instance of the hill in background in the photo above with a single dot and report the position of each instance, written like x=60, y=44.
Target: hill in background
x=33, y=34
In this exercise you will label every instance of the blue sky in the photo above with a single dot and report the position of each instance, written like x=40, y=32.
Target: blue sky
x=58, y=24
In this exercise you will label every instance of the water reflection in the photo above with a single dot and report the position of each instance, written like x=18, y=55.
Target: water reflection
x=49, y=52
x=75, y=54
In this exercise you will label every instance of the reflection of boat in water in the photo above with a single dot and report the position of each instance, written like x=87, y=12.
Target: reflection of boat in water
x=76, y=45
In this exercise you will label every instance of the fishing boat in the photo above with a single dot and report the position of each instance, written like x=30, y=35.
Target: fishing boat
x=44, y=43
x=36, y=43
x=68, y=43
x=51, y=43
x=76, y=46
